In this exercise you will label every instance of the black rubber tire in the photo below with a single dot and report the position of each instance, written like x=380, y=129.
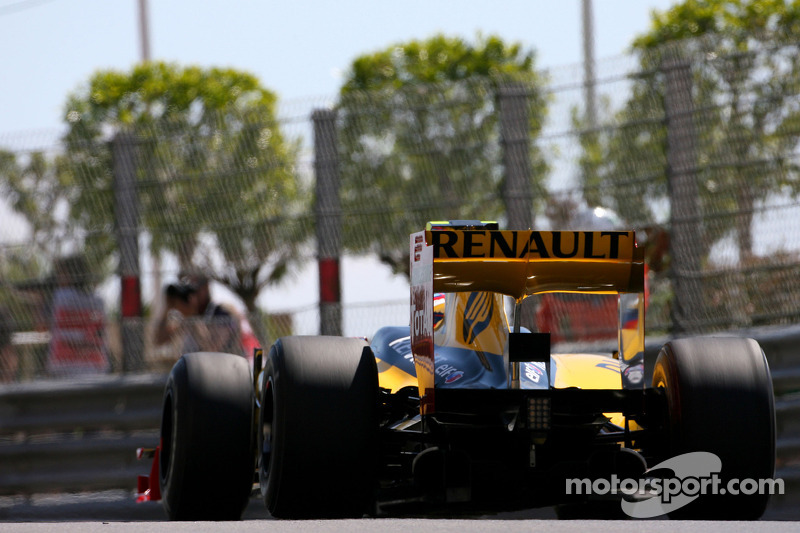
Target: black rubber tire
x=720, y=400
x=318, y=428
x=207, y=461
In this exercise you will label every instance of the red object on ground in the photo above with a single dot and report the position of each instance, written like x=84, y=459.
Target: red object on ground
x=148, y=487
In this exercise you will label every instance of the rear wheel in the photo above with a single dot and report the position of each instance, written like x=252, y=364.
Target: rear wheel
x=318, y=424
x=207, y=460
x=719, y=398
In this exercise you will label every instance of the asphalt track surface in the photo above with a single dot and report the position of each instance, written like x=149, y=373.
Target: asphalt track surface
x=117, y=511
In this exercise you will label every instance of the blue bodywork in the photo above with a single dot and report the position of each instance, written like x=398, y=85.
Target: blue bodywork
x=457, y=368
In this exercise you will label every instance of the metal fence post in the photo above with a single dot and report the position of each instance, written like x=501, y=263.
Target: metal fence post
x=515, y=141
x=685, y=220
x=126, y=209
x=517, y=191
x=328, y=215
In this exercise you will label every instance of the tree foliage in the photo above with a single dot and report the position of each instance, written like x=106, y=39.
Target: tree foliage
x=33, y=189
x=419, y=138
x=215, y=174
x=745, y=67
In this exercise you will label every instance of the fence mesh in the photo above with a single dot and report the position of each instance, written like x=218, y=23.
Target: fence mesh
x=695, y=146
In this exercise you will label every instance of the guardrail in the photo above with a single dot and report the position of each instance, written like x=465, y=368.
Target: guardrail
x=77, y=436
x=81, y=436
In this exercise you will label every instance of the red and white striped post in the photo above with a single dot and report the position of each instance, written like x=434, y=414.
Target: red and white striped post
x=127, y=221
x=328, y=215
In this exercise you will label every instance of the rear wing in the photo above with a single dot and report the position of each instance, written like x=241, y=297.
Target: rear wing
x=520, y=263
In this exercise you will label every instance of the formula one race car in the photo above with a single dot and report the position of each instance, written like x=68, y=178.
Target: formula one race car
x=460, y=412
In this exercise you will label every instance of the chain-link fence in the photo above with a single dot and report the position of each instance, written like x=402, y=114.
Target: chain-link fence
x=695, y=146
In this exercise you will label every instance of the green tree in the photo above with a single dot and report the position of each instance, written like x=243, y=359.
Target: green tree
x=215, y=174
x=35, y=189
x=745, y=67
x=31, y=185
x=419, y=138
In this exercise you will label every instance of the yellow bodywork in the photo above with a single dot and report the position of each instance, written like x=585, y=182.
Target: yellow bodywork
x=393, y=378
x=584, y=371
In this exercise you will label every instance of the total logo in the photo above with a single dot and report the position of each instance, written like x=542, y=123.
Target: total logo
x=449, y=372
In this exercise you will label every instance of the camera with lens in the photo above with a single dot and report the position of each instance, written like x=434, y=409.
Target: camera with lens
x=180, y=291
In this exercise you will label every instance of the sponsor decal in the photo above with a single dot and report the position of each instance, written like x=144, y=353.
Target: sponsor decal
x=477, y=315
x=634, y=374
x=534, y=244
x=455, y=376
x=608, y=365
x=533, y=372
x=445, y=370
x=403, y=347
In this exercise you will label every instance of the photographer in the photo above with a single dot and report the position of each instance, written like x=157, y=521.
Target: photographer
x=179, y=306
x=205, y=326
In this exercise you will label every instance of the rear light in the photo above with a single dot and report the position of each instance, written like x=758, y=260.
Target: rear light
x=539, y=414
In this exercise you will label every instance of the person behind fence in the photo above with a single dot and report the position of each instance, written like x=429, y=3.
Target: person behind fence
x=9, y=359
x=204, y=325
x=77, y=322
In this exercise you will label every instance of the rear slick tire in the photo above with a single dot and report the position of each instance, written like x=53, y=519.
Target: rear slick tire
x=207, y=459
x=318, y=428
x=720, y=400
